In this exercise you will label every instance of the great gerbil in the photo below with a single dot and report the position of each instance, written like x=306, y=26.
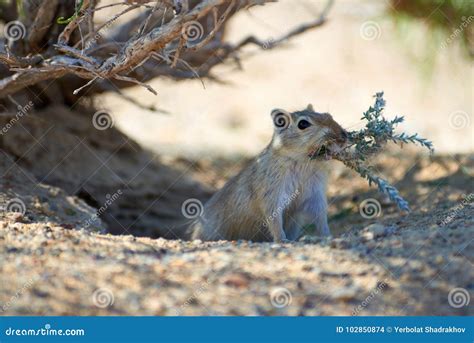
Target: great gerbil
x=282, y=189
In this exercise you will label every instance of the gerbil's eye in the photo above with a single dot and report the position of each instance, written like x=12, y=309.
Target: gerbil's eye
x=303, y=124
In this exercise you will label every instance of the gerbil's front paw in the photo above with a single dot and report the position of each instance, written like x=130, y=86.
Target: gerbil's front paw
x=325, y=232
x=279, y=237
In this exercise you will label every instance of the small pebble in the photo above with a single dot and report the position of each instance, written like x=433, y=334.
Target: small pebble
x=439, y=259
x=237, y=280
x=374, y=231
x=340, y=243
x=345, y=294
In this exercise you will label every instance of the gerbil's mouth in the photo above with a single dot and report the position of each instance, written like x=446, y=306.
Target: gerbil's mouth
x=322, y=152
x=325, y=151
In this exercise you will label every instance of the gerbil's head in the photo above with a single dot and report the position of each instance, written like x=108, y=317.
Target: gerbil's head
x=307, y=133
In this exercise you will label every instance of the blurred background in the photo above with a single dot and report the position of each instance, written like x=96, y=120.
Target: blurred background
x=418, y=52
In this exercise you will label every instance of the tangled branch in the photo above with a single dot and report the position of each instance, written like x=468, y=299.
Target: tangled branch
x=175, y=38
x=371, y=140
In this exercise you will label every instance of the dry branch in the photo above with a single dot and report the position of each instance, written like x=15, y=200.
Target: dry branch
x=82, y=48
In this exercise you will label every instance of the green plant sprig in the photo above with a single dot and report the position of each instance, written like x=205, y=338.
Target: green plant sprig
x=62, y=20
x=370, y=140
x=382, y=185
x=378, y=131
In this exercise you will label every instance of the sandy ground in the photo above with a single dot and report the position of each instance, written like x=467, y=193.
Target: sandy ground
x=382, y=265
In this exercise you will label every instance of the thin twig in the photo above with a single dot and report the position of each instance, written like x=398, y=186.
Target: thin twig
x=131, y=79
x=215, y=29
x=76, y=91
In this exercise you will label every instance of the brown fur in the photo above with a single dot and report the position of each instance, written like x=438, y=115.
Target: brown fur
x=281, y=189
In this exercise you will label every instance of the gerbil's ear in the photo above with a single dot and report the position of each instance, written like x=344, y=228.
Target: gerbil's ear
x=281, y=118
x=310, y=108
